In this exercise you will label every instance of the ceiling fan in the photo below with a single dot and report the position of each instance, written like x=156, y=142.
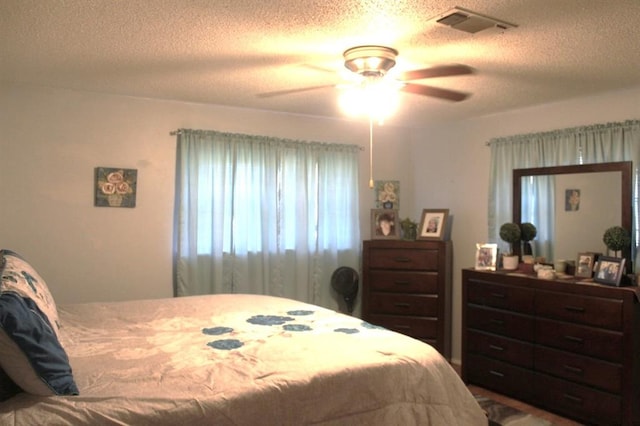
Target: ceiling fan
x=372, y=63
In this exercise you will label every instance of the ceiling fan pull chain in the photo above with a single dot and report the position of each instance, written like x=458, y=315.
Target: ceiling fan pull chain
x=370, y=151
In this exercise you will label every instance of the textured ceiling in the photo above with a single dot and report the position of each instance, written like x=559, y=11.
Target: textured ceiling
x=227, y=52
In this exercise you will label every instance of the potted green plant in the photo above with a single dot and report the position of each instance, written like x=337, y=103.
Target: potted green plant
x=616, y=238
x=409, y=229
x=528, y=232
x=510, y=233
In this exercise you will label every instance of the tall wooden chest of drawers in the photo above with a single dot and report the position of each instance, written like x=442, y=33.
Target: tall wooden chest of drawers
x=406, y=287
x=568, y=346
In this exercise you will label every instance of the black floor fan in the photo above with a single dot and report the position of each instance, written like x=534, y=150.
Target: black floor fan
x=344, y=281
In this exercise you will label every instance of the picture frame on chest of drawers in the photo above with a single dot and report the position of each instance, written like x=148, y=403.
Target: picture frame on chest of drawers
x=433, y=224
x=385, y=224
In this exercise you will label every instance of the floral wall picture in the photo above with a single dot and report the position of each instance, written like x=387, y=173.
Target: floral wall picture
x=115, y=187
x=387, y=194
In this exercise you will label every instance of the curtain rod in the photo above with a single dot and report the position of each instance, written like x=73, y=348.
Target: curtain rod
x=179, y=132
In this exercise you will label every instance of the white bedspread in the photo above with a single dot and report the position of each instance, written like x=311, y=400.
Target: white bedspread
x=243, y=360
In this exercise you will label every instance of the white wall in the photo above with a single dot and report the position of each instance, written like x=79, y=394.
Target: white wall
x=51, y=141
x=453, y=171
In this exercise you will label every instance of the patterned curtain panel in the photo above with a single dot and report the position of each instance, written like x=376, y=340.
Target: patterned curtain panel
x=599, y=143
x=264, y=215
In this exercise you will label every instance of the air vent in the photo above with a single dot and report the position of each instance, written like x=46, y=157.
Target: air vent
x=470, y=22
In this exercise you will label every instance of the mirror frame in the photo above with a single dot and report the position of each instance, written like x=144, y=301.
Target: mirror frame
x=626, y=169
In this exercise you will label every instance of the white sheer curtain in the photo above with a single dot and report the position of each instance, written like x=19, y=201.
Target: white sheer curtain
x=599, y=143
x=264, y=215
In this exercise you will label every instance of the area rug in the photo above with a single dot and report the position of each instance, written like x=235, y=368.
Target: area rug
x=502, y=415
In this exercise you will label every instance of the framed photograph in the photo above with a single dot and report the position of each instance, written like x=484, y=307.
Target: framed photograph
x=486, y=257
x=584, y=265
x=385, y=224
x=609, y=270
x=433, y=224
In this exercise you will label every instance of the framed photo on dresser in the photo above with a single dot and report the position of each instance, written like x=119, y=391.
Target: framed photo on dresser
x=486, y=257
x=609, y=270
x=385, y=224
x=433, y=224
x=584, y=265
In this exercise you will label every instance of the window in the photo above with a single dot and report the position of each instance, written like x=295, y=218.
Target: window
x=252, y=211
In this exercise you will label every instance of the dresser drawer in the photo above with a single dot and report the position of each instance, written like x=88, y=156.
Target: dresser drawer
x=418, y=327
x=403, y=304
x=581, y=369
x=596, y=311
x=501, y=322
x=404, y=282
x=589, y=341
x=499, y=296
x=499, y=376
x=576, y=401
x=398, y=258
x=502, y=348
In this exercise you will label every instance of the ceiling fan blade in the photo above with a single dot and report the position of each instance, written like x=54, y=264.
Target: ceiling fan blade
x=319, y=68
x=291, y=91
x=440, y=71
x=435, y=92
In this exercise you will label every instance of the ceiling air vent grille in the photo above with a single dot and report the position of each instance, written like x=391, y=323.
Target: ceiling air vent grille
x=470, y=22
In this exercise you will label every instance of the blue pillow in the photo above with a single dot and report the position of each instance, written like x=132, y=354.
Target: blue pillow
x=7, y=386
x=29, y=330
x=31, y=354
x=19, y=277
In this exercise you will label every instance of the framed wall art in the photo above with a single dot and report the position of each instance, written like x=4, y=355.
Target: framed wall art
x=387, y=194
x=385, y=224
x=609, y=270
x=115, y=187
x=486, y=257
x=433, y=224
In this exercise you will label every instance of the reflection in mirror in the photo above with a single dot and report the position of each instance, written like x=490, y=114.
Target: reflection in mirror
x=572, y=206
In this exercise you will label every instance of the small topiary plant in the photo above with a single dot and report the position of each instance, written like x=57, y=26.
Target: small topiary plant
x=528, y=232
x=616, y=238
x=510, y=233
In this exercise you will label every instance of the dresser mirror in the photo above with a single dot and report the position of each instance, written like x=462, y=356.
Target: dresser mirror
x=572, y=206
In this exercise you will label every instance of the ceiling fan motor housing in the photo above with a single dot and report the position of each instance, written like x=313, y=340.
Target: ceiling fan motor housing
x=370, y=61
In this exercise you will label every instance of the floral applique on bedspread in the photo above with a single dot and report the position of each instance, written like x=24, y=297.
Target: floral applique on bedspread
x=295, y=321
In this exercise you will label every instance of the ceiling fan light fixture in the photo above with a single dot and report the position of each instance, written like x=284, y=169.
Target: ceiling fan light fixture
x=374, y=97
x=370, y=60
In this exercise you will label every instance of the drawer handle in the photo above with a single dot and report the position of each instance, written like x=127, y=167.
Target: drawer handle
x=401, y=282
x=578, y=309
x=574, y=339
x=498, y=295
x=496, y=321
x=572, y=398
x=496, y=348
x=402, y=259
x=401, y=305
x=572, y=369
x=496, y=373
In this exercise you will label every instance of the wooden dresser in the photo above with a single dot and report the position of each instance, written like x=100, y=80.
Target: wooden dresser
x=567, y=346
x=406, y=287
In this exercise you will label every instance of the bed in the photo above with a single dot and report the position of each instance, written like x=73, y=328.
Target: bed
x=228, y=359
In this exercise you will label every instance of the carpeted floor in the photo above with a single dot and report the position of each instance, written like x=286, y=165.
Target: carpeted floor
x=502, y=415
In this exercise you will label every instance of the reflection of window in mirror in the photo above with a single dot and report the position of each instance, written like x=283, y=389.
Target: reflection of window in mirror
x=572, y=200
